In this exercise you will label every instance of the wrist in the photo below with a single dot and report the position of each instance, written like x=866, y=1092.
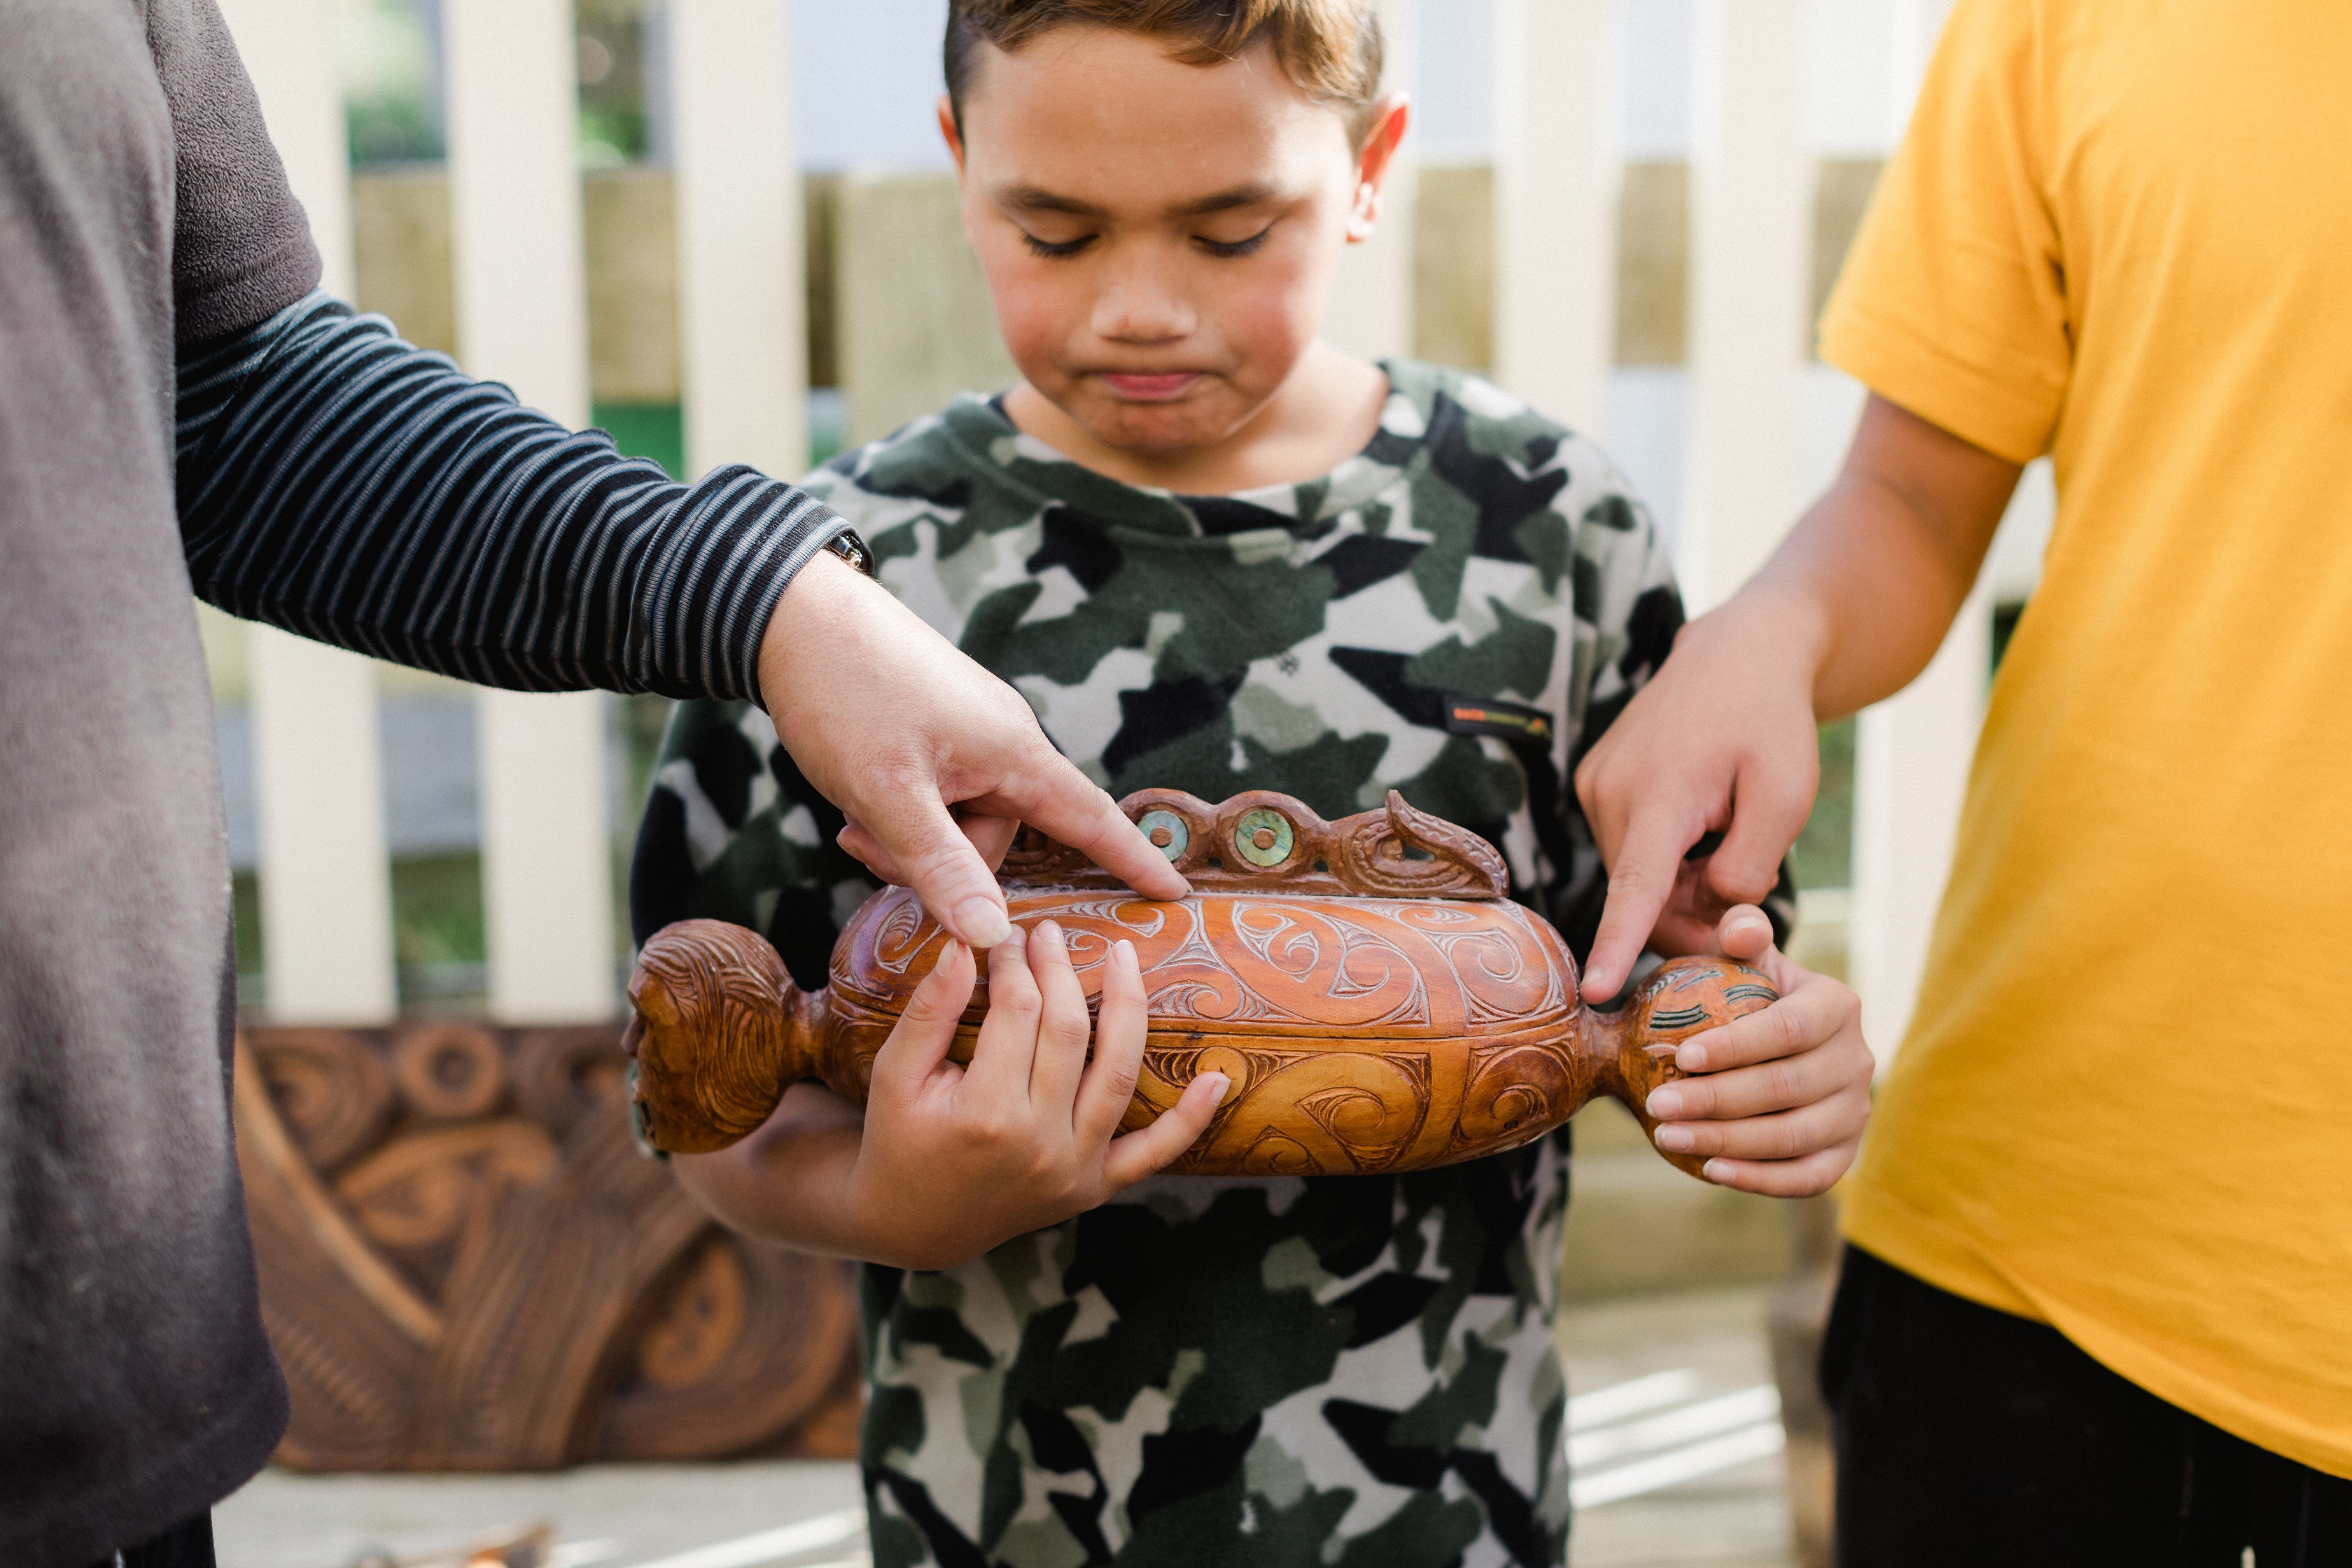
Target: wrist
x=822, y=618
x=1781, y=635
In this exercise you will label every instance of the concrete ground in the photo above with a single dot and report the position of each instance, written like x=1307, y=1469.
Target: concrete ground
x=1733, y=1518
x=1710, y=1344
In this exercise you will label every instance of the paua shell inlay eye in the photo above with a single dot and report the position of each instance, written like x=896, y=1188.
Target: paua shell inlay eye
x=1264, y=837
x=1166, y=831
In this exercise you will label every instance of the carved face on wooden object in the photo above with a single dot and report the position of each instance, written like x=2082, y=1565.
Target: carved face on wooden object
x=1376, y=1000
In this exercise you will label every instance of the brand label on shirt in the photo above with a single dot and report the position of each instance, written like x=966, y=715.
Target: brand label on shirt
x=1485, y=716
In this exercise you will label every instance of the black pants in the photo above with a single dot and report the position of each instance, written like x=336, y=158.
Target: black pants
x=1971, y=1437
x=188, y=1545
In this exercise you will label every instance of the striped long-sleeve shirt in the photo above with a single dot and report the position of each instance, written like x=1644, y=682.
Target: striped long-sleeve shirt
x=347, y=486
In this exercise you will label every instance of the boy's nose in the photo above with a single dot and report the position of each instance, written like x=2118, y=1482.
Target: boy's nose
x=1138, y=311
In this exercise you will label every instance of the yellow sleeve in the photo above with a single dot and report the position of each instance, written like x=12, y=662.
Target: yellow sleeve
x=1952, y=303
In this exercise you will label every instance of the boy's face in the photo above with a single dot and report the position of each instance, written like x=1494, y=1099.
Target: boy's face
x=1160, y=238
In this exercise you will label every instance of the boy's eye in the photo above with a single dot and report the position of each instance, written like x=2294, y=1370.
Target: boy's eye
x=1232, y=250
x=1056, y=248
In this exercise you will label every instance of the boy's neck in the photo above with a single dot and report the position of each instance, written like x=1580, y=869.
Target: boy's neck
x=1325, y=413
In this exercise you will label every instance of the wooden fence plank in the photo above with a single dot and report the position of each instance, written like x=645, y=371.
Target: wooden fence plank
x=741, y=306
x=326, y=883
x=522, y=318
x=1371, y=311
x=1557, y=173
x=1752, y=198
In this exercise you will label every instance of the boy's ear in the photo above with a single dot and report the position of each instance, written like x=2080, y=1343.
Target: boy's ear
x=1389, y=118
x=948, y=131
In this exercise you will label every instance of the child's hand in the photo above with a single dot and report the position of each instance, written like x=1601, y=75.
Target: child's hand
x=955, y=1159
x=1785, y=1090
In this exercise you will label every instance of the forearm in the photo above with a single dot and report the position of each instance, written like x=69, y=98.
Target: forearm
x=1857, y=599
x=789, y=1183
x=1863, y=593
x=339, y=483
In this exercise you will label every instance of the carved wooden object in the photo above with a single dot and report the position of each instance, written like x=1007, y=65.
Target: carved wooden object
x=1378, y=1002
x=466, y=1264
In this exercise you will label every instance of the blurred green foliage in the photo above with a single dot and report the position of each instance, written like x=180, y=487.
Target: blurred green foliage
x=391, y=71
x=646, y=430
x=390, y=59
x=1824, y=851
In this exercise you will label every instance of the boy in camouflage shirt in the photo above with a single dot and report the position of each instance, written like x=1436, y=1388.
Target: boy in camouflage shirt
x=1451, y=599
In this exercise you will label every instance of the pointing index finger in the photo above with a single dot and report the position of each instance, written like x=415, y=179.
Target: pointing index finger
x=1639, y=886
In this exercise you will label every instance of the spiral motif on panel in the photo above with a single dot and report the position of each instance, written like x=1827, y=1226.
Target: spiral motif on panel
x=449, y=1072
x=332, y=1092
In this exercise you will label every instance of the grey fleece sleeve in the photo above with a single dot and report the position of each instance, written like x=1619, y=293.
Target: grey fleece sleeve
x=341, y=484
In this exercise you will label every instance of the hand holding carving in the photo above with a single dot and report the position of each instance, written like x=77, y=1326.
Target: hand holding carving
x=1777, y=1101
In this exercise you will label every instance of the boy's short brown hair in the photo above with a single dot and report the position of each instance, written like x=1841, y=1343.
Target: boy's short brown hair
x=1330, y=49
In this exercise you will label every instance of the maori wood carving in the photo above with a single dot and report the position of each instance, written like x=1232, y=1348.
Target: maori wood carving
x=466, y=1264
x=1377, y=1001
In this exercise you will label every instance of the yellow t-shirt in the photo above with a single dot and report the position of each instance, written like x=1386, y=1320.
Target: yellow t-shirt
x=2121, y=231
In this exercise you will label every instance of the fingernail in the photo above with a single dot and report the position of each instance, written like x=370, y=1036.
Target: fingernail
x=1665, y=1104
x=1122, y=954
x=1048, y=932
x=1691, y=1057
x=982, y=921
x=1218, y=1084
x=1715, y=1170
x=1675, y=1140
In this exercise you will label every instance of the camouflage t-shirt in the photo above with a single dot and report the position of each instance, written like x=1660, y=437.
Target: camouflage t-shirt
x=1343, y=1370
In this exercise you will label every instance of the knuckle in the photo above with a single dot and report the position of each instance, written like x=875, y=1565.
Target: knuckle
x=1119, y=1079
x=996, y=1129
x=1789, y=1139
x=1629, y=876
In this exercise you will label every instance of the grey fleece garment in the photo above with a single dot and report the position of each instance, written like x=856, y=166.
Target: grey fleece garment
x=137, y=190
x=331, y=479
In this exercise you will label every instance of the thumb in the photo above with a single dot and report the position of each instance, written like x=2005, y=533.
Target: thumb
x=1744, y=932
x=1148, y=1150
x=1767, y=814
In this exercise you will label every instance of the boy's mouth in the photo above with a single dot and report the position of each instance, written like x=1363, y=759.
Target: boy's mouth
x=1150, y=388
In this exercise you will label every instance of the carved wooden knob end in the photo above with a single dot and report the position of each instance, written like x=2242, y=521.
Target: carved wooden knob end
x=1685, y=996
x=713, y=1035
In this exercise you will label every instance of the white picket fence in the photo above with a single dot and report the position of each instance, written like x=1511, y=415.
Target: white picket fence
x=521, y=290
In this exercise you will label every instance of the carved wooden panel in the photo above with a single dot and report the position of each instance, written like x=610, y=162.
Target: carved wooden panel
x=465, y=1264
